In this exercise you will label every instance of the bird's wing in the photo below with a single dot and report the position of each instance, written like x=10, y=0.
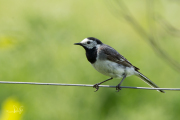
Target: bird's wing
x=114, y=56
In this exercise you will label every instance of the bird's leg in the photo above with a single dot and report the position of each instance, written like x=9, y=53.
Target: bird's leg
x=97, y=85
x=118, y=86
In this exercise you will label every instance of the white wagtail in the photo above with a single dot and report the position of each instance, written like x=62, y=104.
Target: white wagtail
x=109, y=62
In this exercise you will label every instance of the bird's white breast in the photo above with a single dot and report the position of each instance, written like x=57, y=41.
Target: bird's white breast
x=112, y=69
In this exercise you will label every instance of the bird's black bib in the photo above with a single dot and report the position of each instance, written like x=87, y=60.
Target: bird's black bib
x=91, y=54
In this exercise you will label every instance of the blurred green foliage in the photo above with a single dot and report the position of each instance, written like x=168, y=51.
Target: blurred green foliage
x=36, y=45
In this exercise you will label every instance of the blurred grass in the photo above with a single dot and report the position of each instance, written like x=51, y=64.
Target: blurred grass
x=36, y=44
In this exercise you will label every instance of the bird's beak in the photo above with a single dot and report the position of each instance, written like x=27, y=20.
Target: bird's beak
x=77, y=44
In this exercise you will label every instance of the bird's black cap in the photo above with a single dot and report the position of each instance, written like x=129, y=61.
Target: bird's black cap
x=95, y=39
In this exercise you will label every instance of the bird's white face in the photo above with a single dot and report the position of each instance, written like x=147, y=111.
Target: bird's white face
x=89, y=43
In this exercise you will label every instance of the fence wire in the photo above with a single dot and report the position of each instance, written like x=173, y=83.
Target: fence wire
x=87, y=85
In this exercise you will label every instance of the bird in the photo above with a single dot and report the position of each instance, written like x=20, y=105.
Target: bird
x=109, y=62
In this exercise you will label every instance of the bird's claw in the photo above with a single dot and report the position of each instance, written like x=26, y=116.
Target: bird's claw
x=96, y=86
x=118, y=87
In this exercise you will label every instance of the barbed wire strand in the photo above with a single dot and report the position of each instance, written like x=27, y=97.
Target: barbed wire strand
x=86, y=85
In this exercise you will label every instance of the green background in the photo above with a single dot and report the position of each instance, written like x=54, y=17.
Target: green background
x=36, y=45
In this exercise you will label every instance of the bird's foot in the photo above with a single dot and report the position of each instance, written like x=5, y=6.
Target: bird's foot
x=118, y=87
x=96, y=86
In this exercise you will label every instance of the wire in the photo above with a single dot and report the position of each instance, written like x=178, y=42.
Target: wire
x=86, y=85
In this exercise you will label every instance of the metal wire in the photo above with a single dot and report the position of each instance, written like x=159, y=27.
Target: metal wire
x=86, y=85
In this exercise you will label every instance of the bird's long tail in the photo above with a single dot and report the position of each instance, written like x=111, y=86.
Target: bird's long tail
x=148, y=81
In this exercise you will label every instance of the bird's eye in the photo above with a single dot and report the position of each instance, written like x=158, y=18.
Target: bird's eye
x=88, y=42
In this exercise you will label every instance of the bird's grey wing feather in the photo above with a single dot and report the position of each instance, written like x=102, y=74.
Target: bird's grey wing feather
x=114, y=56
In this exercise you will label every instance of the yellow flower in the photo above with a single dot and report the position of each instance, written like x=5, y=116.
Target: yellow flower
x=11, y=110
x=6, y=42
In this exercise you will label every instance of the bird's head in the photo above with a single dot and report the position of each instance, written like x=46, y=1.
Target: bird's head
x=89, y=43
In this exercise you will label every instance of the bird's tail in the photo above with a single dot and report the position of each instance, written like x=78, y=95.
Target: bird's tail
x=148, y=81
